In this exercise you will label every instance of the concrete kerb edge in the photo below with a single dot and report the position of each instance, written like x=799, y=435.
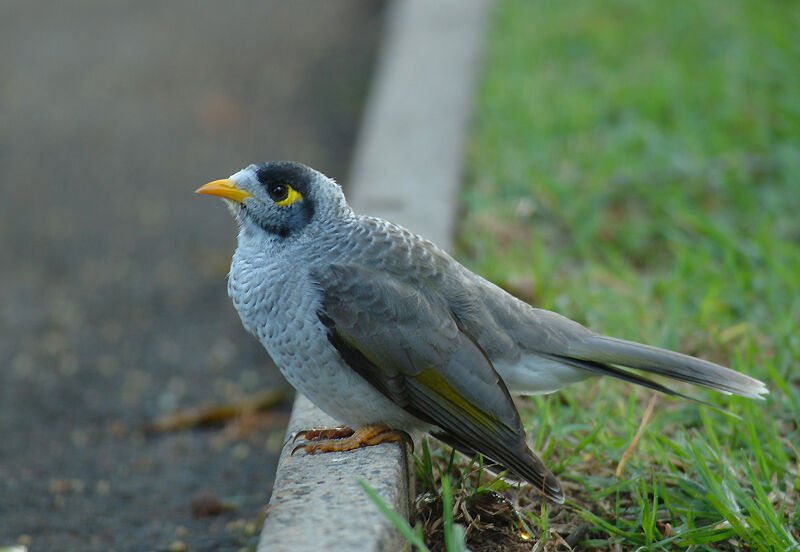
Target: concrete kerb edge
x=410, y=147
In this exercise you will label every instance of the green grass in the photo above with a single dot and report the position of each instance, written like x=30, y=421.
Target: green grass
x=436, y=504
x=635, y=166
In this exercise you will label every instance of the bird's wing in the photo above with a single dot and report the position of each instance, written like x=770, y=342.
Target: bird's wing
x=402, y=338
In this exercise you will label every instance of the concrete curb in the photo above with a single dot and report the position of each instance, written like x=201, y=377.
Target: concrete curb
x=317, y=503
x=407, y=169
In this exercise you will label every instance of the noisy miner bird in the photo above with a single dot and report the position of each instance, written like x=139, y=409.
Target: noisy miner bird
x=386, y=332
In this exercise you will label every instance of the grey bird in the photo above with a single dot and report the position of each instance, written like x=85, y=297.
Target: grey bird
x=384, y=331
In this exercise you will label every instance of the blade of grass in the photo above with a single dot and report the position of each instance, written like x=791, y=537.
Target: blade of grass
x=400, y=524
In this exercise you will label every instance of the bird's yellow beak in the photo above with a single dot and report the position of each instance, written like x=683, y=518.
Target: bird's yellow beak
x=224, y=188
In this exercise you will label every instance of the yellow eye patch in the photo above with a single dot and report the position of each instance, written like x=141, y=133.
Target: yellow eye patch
x=292, y=195
x=283, y=194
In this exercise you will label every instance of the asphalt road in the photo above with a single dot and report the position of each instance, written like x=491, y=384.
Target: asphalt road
x=113, y=307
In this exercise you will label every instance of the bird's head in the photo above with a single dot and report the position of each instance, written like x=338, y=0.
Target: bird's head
x=281, y=197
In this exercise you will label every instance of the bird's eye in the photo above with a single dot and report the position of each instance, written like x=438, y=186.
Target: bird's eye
x=283, y=194
x=278, y=192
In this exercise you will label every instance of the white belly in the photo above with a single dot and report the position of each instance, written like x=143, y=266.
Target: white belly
x=535, y=375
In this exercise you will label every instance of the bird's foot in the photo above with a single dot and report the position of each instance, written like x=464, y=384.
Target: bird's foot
x=339, y=440
x=338, y=432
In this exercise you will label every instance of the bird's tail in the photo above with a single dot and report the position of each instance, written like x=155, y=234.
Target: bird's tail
x=601, y=353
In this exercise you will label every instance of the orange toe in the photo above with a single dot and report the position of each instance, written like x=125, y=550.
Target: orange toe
x=369, y=435
x=337, y=432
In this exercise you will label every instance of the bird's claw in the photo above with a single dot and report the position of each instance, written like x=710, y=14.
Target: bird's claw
x=338, y=432
x=303, y=444
x=320, y=445
x=342, y=439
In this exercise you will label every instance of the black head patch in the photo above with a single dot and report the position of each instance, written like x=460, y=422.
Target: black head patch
x=296, y=175
x=288, y=186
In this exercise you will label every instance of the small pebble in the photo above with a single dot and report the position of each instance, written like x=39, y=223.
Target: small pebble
x=274, y=441
x=58, y=486
x=177, y=546
x=250, y=528
x=102, y=487
x=206, y=504
x=241, y=451
x=235, y=526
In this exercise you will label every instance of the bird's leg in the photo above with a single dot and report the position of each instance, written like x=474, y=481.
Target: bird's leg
x=368, y=435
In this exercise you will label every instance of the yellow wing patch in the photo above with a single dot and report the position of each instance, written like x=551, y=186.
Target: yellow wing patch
x=292, y=196
x=443, y=390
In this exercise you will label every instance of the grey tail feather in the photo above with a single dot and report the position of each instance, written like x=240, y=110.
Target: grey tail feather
x=613, y=371
x=603, y=351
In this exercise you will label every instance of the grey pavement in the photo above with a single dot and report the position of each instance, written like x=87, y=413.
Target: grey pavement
x=112, y=273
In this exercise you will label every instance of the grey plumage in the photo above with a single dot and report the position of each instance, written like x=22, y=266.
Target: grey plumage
x=375, y=324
